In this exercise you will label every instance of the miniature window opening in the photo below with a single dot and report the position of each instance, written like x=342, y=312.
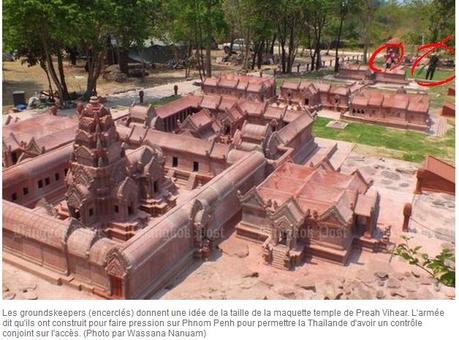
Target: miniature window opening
x=195, y=166
x=40, y=183
x=47, y=181
x=155, y=186
x=65, y=171
x=130, y=210
x=283, y=238
x=25, y=190
x=56, y=176
x=14, y=157
x=117, y=209
x=14, y=197
x=91, y=212
x=174, y=162
x=306, y=101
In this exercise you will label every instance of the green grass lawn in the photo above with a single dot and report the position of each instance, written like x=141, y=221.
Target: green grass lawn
x=162, y=101
x=420, y=73
x=407, y=145
x=411, y=146
x=438, y=95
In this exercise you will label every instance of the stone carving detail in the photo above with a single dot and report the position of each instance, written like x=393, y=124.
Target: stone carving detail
x=116, y=266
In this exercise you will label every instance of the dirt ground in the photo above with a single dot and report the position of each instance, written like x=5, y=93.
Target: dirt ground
x=21, y=285
x=17, y=76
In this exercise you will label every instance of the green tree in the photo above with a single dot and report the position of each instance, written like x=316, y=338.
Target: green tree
x=128, y=31
x=257, y=25
x=232, y=13
x=442, y=19
x=196, y=22
x=39, y=30
x=343, y=10
x=317, y=16
x=368, y=27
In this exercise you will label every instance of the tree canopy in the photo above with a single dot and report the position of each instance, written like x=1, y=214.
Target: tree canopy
x=42, y=31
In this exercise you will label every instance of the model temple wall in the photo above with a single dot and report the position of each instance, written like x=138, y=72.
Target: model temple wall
x=362, y=72
x=251, y=88
x=397, y=109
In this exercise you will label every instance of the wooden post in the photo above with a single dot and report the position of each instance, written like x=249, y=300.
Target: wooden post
x=141, y=94
x=406, y=216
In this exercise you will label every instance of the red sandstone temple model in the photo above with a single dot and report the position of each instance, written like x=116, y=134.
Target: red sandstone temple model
x=361, y=72
x=302, y=210
x=102, y=209
x=398, y=109
x=437, y=176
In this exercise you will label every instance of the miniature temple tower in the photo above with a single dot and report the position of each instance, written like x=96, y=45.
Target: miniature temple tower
x=108, y=189
x=98, y=188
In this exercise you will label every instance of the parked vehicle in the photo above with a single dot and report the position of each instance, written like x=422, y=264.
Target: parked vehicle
x=238, y=45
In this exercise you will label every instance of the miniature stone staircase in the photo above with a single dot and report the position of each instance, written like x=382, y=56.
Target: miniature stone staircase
x=280, y=257
x=192, y=182
x=442, y=127
x=181, y=180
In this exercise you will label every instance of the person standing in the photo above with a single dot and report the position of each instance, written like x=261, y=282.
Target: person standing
x=432, y=66
x=389, y=59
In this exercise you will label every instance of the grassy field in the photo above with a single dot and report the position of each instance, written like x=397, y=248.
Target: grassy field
x=410, y=146
x=438, y=95
x=420, y=74
x=407, y=145
x=164, y=100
